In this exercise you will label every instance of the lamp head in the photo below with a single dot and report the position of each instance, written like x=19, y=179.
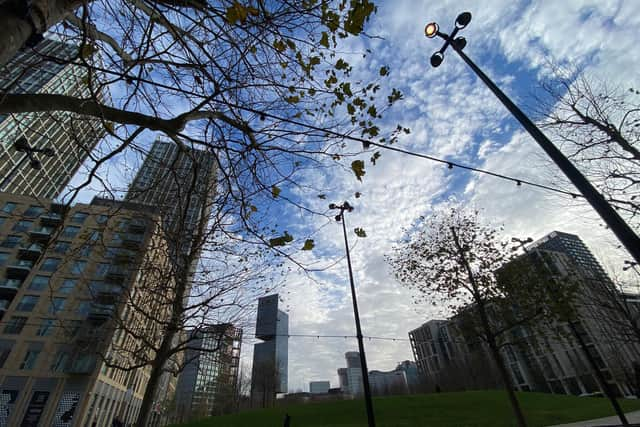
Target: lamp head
x=21, y=144
x=463, y=20
x=347, y=206
x=436, y=59
x=431, y=30
x=338, y=217
x=461, y=42
x=333, y=206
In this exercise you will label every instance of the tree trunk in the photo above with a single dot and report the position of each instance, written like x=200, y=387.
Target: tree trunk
x=19, y=22
x=596, y=371
x=495, y=351
x=147, y=400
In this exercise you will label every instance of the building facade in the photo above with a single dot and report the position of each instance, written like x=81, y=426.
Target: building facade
x=71, y=136
x=208, y=383
x=319, y=387
x=269, y=374
x=351, y=377
x=539, y=358
x=388, y=382
x=72, y=278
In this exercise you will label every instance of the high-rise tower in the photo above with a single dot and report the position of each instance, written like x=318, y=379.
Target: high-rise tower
x=179, y=182
x=47, y=68
x=270, y=357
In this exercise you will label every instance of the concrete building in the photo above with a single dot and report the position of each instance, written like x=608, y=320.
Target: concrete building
x=538, y=358
x=410, y=370
x=71, y=279
x=319, y=387
x=208, y=383
x=388, y=382
x=72, y=136
x=179, y=182
x=269, y=374
x=351, y=377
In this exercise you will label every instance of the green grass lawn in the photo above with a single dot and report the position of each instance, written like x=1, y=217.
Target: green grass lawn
x=477, y=409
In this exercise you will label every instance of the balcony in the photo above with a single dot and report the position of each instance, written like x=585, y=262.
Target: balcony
x=51, y=219
x=20, y=269
x=41, y=234
x=59, y=208
x=116, y=274
x=132, y=241
x=82, y=364
x=4, y=305
x=100, y=313
x=9, y=287
x=31, y=252
x=137, y=226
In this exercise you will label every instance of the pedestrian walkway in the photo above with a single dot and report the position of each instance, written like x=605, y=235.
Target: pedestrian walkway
x=632, y=417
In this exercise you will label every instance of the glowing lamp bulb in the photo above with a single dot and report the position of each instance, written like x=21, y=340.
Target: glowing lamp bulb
x=431, y=30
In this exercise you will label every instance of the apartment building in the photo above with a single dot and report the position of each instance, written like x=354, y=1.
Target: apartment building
x=543, y=356
x=75, y=283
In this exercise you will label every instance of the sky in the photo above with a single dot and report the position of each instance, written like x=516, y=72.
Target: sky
x=452, y=115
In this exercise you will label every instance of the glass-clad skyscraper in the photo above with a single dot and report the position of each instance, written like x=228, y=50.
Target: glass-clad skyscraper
x=207, y=384
x=50, y=67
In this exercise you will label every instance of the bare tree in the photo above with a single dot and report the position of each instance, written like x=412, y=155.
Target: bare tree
x=452, y=258
x=597, y=125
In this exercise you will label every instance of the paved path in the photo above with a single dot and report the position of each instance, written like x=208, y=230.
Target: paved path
x=632, y=417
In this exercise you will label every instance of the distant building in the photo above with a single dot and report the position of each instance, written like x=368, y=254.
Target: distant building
x=351, y=377
x=71, y=136
x=270, y=357
x=389, y=382
x=539, y=359
x=410, y=370
x=319, y=387
x=207, y=384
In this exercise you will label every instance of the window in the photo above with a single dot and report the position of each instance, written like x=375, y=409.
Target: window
x=83, y=308
x=50, y=264
x=5, y=351
x=56, y=305
x=46, y=327
x=102, y=219
x=72, y=327
x=67, y=286
x=62, y=247
x=60, y=362
x=15, y=325
x=39, y=283
x=78, y=267
x=2, y=220
x=27, y=303
x=79, y=217
x=22, y=225
x=101, y=270
x=70, y=231
x=85, y=251
x=9, y=207
x=11, y=241
x=34, y=211
x=4, y=257
x=30, y=359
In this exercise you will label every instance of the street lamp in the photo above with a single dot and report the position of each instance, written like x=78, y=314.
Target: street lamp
x=21, y=145
x=363, y=360
x=608, y=214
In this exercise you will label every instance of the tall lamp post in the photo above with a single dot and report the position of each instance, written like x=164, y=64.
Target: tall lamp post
x=21, y=145
x=620, y=228
x=363, y=360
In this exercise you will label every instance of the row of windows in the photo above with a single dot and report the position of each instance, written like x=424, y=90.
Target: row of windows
x=46, y=326
x=34, y=211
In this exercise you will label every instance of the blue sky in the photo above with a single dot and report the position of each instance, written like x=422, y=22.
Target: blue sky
x=451, y=115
